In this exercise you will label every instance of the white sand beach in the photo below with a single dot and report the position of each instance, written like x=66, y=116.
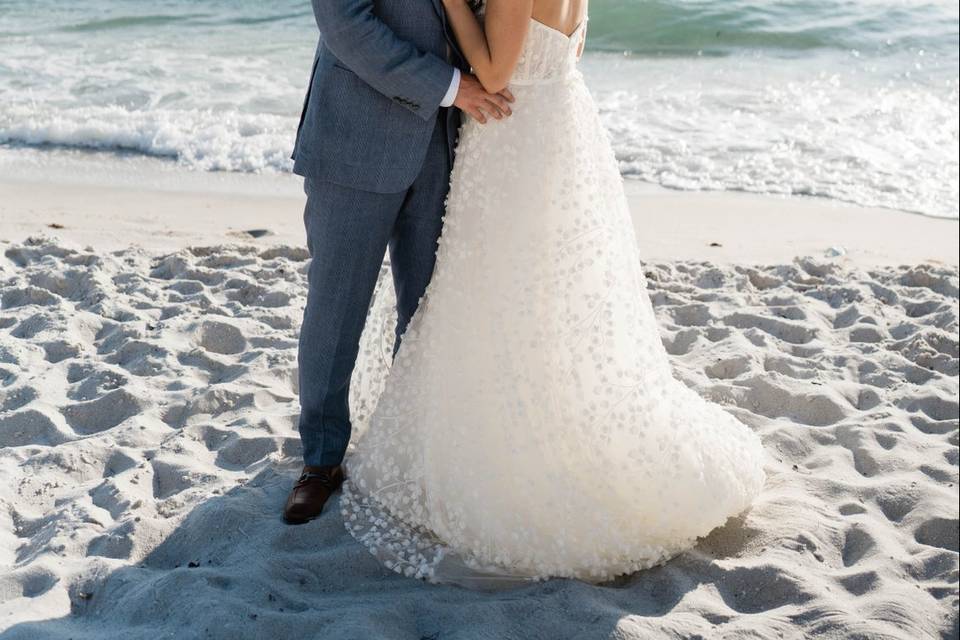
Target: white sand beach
x=148, y=405
x=671, y=225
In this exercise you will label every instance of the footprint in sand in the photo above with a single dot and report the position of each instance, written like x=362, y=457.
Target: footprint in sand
x=221, y=337
x=103, y=413
x=857, y=544
x=29, y=427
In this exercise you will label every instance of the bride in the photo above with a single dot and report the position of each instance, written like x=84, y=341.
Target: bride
x=529, y=425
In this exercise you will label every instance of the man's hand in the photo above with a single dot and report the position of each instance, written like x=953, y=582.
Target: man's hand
x=471, y=98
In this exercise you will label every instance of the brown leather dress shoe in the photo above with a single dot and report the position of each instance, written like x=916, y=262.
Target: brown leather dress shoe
x=311, y=491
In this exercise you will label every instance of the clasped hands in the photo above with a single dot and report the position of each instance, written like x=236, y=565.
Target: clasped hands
x=474, y=100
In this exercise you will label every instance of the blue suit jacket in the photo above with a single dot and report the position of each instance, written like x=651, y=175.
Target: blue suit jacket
x=380, y=71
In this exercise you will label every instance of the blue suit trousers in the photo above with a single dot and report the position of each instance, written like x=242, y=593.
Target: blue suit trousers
x=348, y=233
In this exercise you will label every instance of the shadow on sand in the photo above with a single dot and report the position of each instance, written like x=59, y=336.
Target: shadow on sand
x=234, y=570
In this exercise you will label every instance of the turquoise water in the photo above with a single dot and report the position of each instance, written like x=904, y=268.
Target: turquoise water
x=876, y=27
x=852, y=100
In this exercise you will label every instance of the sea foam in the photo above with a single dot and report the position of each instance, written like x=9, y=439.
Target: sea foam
x=198, y=139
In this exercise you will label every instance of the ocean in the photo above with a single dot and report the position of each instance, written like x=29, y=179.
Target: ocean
x=853, y=100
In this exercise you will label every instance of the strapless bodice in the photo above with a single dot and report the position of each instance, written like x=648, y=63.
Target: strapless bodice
x=548, y=55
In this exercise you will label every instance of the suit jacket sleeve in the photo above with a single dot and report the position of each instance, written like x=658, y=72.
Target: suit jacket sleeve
x=389, y=64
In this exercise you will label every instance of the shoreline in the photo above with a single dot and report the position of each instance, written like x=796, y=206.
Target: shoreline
x=723, y=227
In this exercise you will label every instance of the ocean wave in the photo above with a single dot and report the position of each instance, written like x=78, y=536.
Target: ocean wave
x=709, y=125
x=126, y=22
x=198, y=139
x=662, y=138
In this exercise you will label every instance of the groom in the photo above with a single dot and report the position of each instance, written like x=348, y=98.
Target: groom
x=375, y=147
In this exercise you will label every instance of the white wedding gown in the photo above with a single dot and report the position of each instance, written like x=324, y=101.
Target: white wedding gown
x=530, y=425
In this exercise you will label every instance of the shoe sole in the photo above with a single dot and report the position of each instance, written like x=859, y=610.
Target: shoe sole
x=300, y=520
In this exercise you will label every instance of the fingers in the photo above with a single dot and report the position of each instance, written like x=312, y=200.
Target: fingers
x=492, y=108
x=477, y=115
x=501, y=103
x=490, y=105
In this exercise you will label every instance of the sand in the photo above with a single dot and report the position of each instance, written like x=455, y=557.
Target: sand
x=148, y=407
x=671, y=225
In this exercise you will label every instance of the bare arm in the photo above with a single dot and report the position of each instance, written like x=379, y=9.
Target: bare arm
x=494, y=48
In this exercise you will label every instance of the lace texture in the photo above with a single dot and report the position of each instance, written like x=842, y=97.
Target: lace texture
x=530, y=425
x=548, y=55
